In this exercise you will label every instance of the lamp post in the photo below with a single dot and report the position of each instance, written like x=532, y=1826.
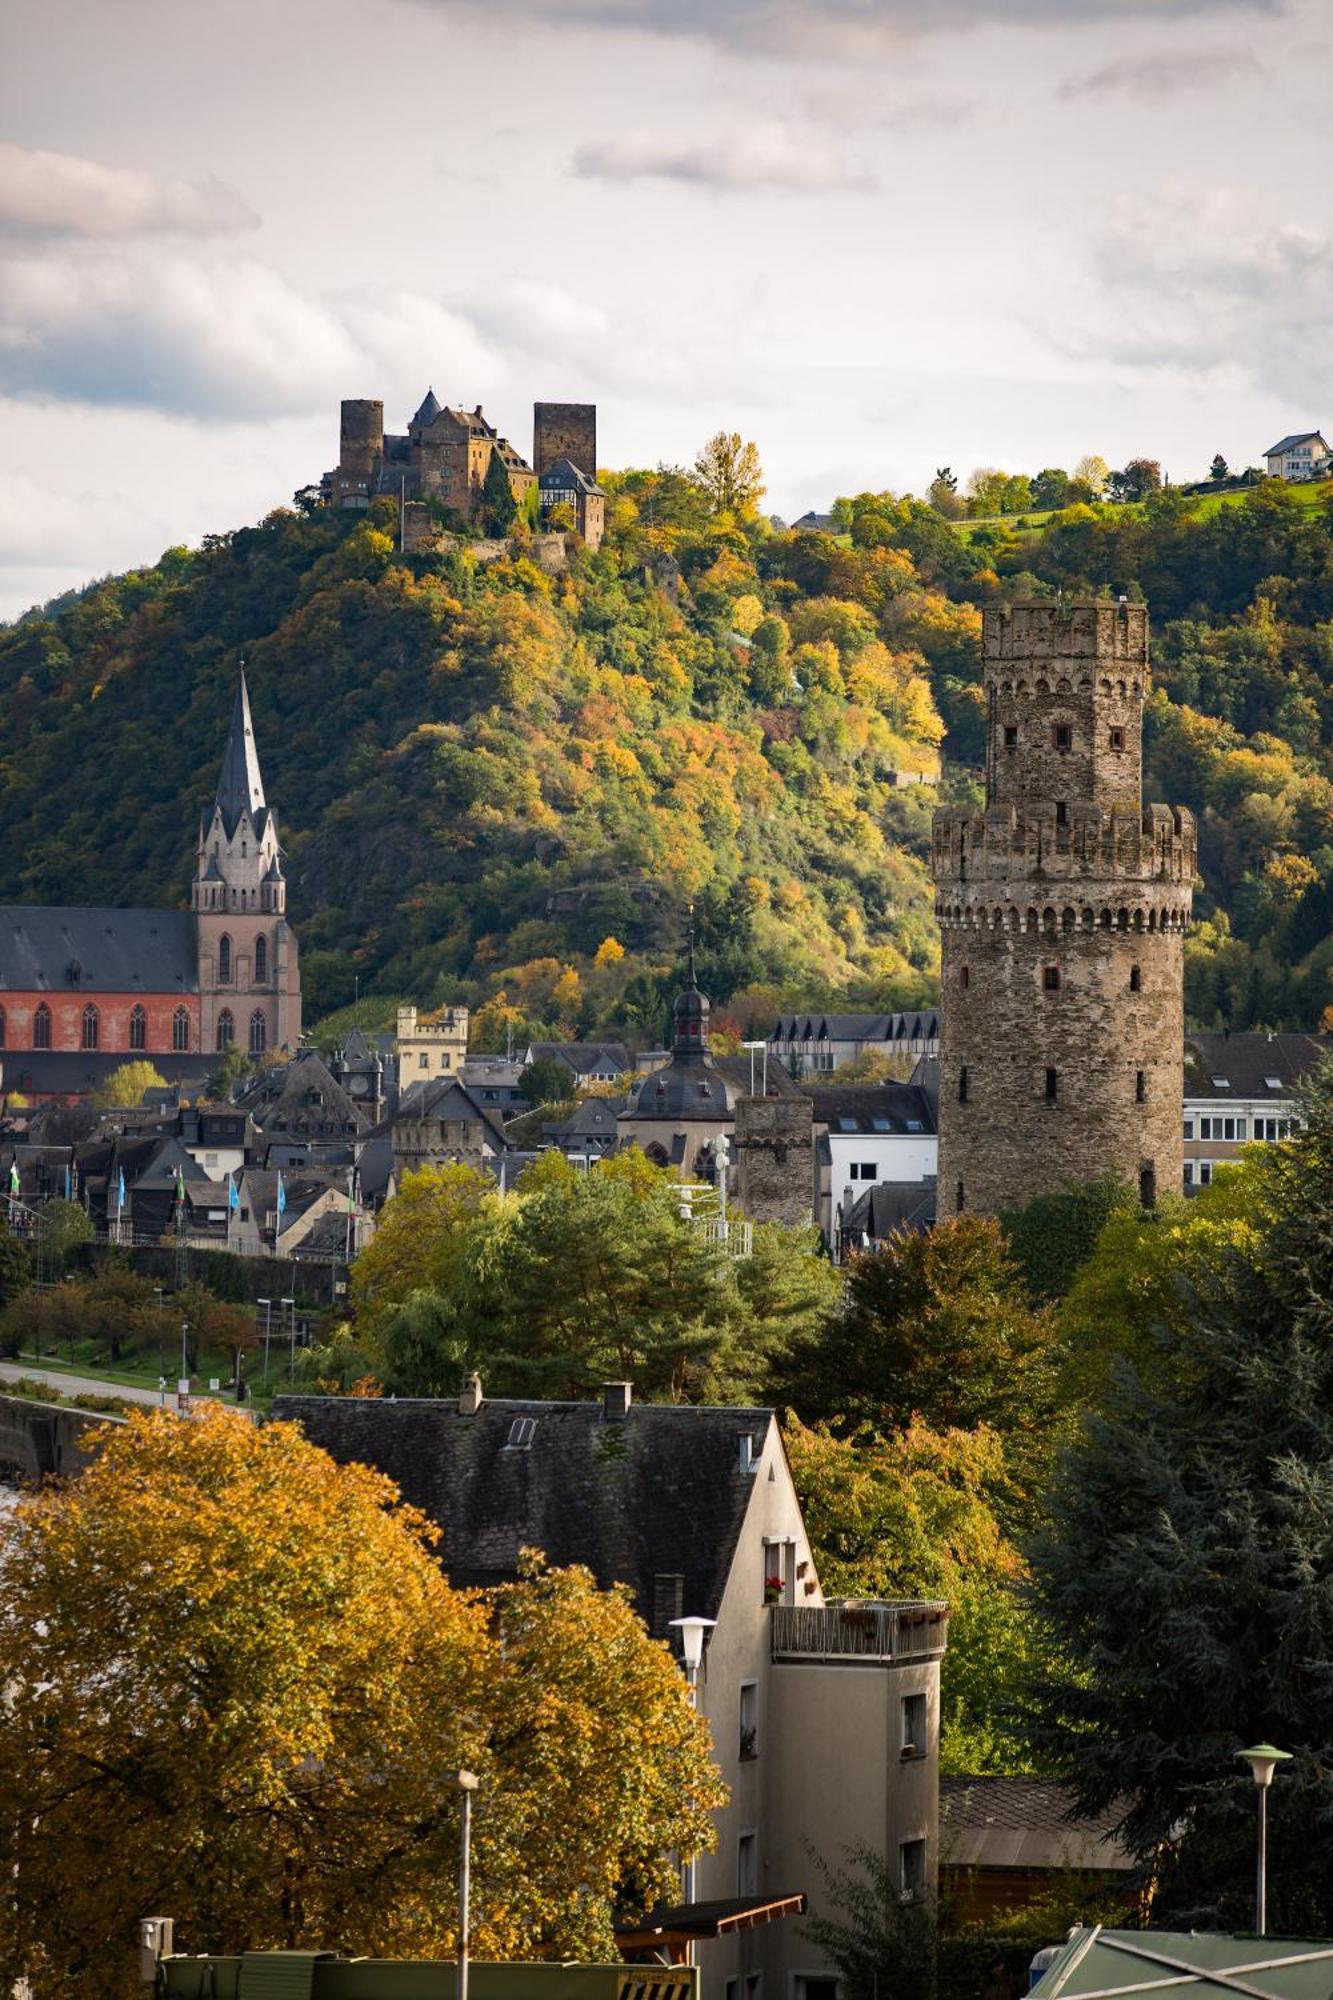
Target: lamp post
x=722, y=1160
x=1263, y=1760
x=291, y=1365
x=692, y=1652
x=267, y=1304
x=467, y=1783
x=752, y=1046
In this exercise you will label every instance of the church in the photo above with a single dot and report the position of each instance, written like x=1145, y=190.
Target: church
x=84, y=990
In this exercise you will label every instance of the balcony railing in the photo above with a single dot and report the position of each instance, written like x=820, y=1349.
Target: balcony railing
x=858, y=1631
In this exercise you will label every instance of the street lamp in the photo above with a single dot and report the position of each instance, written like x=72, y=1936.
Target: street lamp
x=467, y=1783
x=692, y=1652
x=267, y=1304
x=1263, y=1760
x=291, y=1365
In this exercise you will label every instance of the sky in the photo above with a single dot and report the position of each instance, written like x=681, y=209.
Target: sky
x=876, y=236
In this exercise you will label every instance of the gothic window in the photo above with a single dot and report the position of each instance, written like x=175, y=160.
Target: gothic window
x=41, y=1027
x=224, y=959
x=258, y=1033
x=261, y=960
x=226, y=1030
x=180, y=1030
x=2, y=1027
x=138, y=1028
x=90, y=1026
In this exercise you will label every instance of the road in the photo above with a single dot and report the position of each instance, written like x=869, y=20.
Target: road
x=84, y=1385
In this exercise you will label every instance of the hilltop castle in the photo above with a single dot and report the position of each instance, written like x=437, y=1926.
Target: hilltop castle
x=1063, y=907
x=445, y=456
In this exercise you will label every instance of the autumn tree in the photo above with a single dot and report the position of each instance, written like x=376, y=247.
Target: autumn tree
x=238, y=1667
x=127, y=1086
x=420, y=1239
x=729, y=471
x=1093, y=472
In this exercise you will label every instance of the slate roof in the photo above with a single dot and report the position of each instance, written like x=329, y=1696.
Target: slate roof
x=584, y=1058
x=595, y=1117
x=240, y=787
x=1248, y=1062
x=83, y=950
x=78, y=1072
x=884, y=1110
x=301, y=1099
x=812, y=523
x=562, y=474
x=428, y=410
x=659, y=1492
x=923, y=1025
x=444, y=1098
x=1024, y=1823
x=1297, y=437
x=889, y=1206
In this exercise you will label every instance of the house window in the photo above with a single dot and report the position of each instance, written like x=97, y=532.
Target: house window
x=1228, y=1128
x=816, y=1986
x=749, y=1721
x=1052, y=1086
x=747, y=1864
x=1062, y=736
x=777, y=1573
x=1010, y=736
x=1117, y=737
x=1205, y=1173
x=261, y=960
x=1189, y=1128
x=1136, y=978
x=226, y=1031
x=224, y=959
x=1140, y=1086
x=258, y=1033
x=914, y=1725
x=1050, y=979
x=180, y=1030
x=1189, y=1173
x=962, y=1084
x=41, y=1027
x=90, y=1026
x=423, y=1062
x=912, y=1870
x=138, y=1028
x=864, y=1170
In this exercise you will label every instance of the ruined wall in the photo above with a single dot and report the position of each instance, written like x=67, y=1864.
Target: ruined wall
x=564, y=430
x=774, y=1153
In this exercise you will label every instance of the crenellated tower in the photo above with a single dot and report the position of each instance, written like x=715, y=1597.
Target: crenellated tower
x=249, y=984
x=1063, y=907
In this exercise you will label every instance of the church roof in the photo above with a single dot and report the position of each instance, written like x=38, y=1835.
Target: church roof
x=240, y=787
x=49, y=950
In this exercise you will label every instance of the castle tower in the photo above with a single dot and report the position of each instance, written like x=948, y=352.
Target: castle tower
x=249, y=983
x=564, y=430
x=1063, y=907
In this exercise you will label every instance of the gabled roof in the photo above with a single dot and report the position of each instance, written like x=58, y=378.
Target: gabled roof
x=562, y=473
x=240, y=787
x=91, y=951
x=883, y=1110
x=584, y=1058
x=657, y=1493
x=442, y=1099
x=301, y=1099
x=1297, y=437
x=1227, y=1067
x=889, y=1206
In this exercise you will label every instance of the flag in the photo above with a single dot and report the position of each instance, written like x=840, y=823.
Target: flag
x=233, y=1198
x=120, y=1191
x=180, y=1185
x=13, y=1177
x=282, y=1196
x=351, y=1195
x=68, y=1192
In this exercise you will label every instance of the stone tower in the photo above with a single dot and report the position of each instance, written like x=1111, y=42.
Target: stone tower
x=249, y=985
x=1062, y=909
x=564, y=430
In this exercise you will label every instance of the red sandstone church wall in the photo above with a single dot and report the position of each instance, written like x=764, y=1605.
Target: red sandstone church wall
x=113, y=1020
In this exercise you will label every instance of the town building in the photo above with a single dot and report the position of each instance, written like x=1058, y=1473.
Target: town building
x=441, y=1124
x=1063, y=906
x=430, y=1045
x=817, y=1044
x=563, y=485
x=83, y=990
x=587, y=1062
x=1008, y=1842
x=1239, y=1089
x=1304, y=455
x=824, y=1716
x=869, y=1133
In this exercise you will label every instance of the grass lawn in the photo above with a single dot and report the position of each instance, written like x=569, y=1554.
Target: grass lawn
x=1202, y=505
x=143, y=1370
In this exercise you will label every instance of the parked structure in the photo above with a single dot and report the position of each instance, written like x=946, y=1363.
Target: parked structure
x=825, y=1717
x=1063, y=907
x=1304, y=455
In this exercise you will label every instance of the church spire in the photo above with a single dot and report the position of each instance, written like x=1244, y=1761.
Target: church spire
x=240, y=787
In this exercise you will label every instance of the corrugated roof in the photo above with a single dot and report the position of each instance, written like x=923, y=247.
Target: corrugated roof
x=1195, y=1965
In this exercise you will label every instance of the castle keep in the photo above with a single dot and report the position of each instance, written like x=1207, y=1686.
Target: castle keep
x=1063, y=907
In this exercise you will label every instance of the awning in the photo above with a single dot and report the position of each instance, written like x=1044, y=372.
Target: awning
x=689, y=1923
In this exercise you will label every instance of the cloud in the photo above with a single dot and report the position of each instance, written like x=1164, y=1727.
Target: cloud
x=1154, y=78
x=54, y=194
x=838, y=26
x=1209, y=283
x=763, y=156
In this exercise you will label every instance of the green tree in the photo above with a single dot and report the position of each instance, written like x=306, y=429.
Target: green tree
x=1187, y=1570
x=546, y=1081
x=421, y=1239
x=421, y=1346
x=1219, y=469
x=1050, y=488
x=127, y=1086
x=498, y=505
x=15, y=1265
x=729, y=472
x=61, y=1227
x=884, y=1947
x=1054, y=1235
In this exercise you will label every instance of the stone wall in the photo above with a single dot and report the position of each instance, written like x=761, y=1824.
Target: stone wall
x=564, y=430
x=44, y=1441
x=773, y=1149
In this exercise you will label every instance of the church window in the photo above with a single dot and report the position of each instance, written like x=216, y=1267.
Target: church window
x=2, y=1027
x=41, y=1027
x=138, y=1028
x=224, y=958
x=258, y=1033
x=1050, y=978
x=180, y=1030
x=226, y=1030
x=1052, y=1086
x=261, y=960
x=90, y=1026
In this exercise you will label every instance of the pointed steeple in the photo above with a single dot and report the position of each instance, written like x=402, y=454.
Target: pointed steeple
x=240, y=787
x=429, y=410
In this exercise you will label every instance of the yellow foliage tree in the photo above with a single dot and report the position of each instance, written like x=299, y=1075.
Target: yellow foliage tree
x=127, y=1085
x=236, y=1667
x=420, y=1239
x=609, y=952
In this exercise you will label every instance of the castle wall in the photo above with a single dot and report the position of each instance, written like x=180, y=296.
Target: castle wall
x=773, y=1148
x=564, y=430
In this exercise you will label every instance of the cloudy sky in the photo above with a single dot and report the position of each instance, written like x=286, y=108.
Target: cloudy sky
x=875, y=235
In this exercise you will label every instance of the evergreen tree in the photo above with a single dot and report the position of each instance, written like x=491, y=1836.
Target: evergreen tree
x=499, y=506
x=1187, y=1571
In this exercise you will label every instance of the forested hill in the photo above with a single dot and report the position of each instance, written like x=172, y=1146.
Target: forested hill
x=491, y=781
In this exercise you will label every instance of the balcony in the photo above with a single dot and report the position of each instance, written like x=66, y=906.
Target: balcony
x=852, y=1631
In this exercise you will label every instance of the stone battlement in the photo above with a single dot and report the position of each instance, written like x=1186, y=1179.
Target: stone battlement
x=1065, y=630
x=1093, y=842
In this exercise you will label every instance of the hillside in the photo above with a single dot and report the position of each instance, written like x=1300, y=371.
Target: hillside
x=494, y=782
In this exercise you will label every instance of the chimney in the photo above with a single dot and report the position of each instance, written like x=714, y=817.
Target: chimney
x=616, y=1399
x=471, y=1399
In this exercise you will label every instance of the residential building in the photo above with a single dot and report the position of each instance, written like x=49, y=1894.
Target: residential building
x=589, y=1133
x=813, y=523
x=1007, y=1842
x=326, y=1975
x=1303, y=455
x=818, y=1044
x=84, y=990
x=824, y=1716
x=868, y=1133
x=587, y=1062
x=430, y=1045
x=1063, y=907
x=442, y=1124
x=1239, y=1089
x=564, y=485
x=887, y=1209
x=494, y=1082
x=300, y=1108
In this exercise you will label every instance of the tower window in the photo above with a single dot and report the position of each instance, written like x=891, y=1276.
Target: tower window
x=958, y=1201
x=1062, y=735
x=1136, y=978
x=226, y=1031
x=1117, y=737
x=138, y=1028
x=1148, y=1183
x=1140, y=1086
x=180, y=1030
x=962, y=1084
x=90, y=1026
x=1050, y=978
x=1010, y=736
x=1052, y=1086
x=1061, y=813
x=965, y=977
x=224, y=958
x=41, y=1027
